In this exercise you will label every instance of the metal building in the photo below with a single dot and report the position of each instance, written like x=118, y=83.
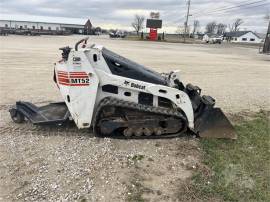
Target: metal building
x=45, y=27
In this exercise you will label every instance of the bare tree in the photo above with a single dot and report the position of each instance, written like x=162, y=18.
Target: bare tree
x=221, y=28
x=196, y=25
x=138, y=23
x=211, y=27
x=234, y=27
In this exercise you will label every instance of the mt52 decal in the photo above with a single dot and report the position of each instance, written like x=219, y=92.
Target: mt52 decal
x=73, y=78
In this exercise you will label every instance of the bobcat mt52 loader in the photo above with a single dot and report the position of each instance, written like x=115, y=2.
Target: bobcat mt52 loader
x=111, y=94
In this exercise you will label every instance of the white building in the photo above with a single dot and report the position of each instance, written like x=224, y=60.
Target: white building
x=242, y=37
x=29, y=25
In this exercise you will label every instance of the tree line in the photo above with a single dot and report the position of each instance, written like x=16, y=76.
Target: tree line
x=211, y=27
x=220, y=28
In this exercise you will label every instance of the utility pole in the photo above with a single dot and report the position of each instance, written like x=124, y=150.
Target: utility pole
x=186, y=23
x=266, y=46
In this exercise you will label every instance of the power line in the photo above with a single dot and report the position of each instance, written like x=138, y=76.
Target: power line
x=229, y=11
x=199, y=10
x=229, y=8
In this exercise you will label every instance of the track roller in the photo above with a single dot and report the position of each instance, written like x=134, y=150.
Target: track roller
x=138, y=132
x=147, y=132
x=128, y=132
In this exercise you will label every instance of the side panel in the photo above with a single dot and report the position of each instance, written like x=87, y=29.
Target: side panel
x=178, y=97
x=78, y=83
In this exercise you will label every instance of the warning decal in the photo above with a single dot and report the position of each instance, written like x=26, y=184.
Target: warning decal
x=73, y=78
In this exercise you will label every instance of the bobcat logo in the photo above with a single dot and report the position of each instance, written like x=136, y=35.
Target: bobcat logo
x=126, y=83
x=134, y=85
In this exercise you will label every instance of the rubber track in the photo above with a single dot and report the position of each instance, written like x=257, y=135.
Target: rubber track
x=114, y=102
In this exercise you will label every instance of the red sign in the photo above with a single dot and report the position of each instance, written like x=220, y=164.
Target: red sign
x=153, y=34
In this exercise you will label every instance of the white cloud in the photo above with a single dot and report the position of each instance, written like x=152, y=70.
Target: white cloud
x=129, y=13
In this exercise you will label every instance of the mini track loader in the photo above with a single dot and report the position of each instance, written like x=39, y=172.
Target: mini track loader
x=111, y=94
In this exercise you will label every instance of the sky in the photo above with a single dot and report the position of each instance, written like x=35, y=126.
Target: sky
x=120, y=13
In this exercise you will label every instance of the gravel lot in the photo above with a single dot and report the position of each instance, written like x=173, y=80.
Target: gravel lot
x=52, y=164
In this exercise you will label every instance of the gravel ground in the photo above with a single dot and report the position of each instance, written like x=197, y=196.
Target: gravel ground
x=52, y=164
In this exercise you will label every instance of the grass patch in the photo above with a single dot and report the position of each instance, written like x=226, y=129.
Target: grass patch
x=133, y=160
x=240, y=169
x=138, y=157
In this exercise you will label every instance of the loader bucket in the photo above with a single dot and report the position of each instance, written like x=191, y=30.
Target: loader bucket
x=213, y=123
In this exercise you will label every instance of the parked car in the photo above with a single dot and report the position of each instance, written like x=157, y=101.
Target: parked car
x=118, y=34
x=212, y=38
x=216, y=40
